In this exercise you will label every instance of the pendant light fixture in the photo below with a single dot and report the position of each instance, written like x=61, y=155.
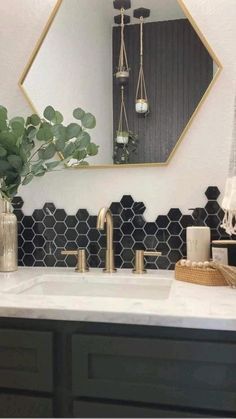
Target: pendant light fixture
x=141, y=103
x=125, y=141
x=122, y=136
x=122, y=74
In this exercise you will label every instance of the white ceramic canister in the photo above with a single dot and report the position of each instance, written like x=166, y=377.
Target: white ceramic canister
x=198, y=243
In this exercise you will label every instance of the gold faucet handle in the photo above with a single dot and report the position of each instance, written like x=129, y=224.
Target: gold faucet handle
x=151, y=253
x=81, y=265
x=139, y=260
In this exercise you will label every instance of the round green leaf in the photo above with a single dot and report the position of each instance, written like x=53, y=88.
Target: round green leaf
x=49, y=113
x=78, y=113
x=69, y=150
x=3, y=113
x=3, y=125
x=12, y=179
x=3, y=152
x=39, y=168
x=44, y=133
x=8, y=141
x=4, y=167
x=88, y=121
x=26, y=169
x=15, y=162
x=58, y=118
x=73, y=130
x=35, y=120
x=48, y=152
x=59, y=131
x=83, y=140
x=18, y=128
x=60, y=144
x=31, y=132
x=92, y=149
x=18, y=119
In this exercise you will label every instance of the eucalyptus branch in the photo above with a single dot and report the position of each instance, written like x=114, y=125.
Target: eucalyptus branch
x=14, y=160
x=40, y=148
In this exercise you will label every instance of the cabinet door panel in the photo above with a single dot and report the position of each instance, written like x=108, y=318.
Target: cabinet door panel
x=18, y=406
x=26, y=360
x=92, y=409
x=179, y=374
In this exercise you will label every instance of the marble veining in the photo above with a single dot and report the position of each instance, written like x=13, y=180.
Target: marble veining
x=187, y=305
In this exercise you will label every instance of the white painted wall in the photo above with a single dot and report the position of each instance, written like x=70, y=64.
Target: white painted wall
x=78, y=52
x=21, y=23
x=201, y=160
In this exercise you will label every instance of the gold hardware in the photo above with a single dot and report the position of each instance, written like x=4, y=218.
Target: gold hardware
x=139, y=260
x=105, y=216
x=80, y=254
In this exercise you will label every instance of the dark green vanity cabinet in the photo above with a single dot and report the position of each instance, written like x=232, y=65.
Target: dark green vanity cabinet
x=72, y=369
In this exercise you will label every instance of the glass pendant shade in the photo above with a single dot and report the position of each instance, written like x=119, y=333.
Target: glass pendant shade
x=122, y=136
x=141, y=103
x=122, y=74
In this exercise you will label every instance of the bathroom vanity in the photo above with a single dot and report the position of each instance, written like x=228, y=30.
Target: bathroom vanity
x=74, y=345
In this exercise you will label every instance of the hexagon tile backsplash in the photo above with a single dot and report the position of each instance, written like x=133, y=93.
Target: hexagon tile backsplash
x=49, y=230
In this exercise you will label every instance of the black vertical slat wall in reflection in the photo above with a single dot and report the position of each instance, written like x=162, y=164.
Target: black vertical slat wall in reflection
x=178, y=70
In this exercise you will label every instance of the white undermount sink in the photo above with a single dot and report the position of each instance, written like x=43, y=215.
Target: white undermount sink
x=96, y=286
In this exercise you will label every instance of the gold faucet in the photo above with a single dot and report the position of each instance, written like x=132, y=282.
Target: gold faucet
x=139, y=260
x=105, y=215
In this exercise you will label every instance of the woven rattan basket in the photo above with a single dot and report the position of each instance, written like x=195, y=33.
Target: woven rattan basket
x=208, y=276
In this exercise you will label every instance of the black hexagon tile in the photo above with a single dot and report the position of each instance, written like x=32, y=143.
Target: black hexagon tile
x=38, y=215
x=60, y=215
x=49, y=230
x=199, y=214
x=212, y=207
x=17, y=202
x=49, y=208
x=162, y=221
x=212, y=192
x=82, y=215
x=138, y=221
x=127, y=201
x=116, y=208
x=138, y=208
x=174, y=214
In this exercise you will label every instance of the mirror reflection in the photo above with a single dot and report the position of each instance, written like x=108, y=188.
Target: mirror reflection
x=139, y=67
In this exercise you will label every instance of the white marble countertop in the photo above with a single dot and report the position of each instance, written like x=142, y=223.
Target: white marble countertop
x=185, y=305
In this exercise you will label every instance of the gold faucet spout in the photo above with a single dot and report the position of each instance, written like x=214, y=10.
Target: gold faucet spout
x=103, y=214
x=105, y=217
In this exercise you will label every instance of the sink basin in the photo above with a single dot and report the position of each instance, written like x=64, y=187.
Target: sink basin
x=96, y=286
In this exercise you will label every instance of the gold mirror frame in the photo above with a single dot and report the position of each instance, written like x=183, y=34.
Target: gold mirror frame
x=111, y=166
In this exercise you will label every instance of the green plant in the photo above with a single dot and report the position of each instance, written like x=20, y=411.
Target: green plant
x=29, y=148
x=122, y=152
x=122, y=133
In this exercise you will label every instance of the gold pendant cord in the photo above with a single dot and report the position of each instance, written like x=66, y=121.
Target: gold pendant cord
x=141, y=92
x=123, y=60
x=123, y=113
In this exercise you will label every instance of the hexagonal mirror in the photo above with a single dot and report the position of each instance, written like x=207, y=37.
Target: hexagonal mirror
x=142, y=71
